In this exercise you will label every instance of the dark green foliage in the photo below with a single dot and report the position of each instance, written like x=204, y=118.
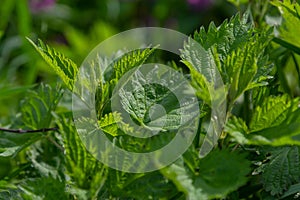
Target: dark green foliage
x=282, y=170
x=44, y=188
x=222, y=172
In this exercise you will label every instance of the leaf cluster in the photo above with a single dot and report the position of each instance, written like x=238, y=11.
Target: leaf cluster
x=257, y=154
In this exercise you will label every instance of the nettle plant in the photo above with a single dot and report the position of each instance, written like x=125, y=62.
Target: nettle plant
x=257, y=155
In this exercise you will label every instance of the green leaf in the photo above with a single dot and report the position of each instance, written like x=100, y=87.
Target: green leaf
x=11, y=143
x=204, y=72
x=86, y=172
x=289, y=29
x=129, y=61
x=138, y=186
x=276, y=122
x=204, y=66
x=222, y=172
x=114, y=72
x=228, y=37
x=184, y=180
x=36, y=113
x=151, y=185
x=63, y=66
x=112, y=124
x=44, y=188
x=45, y=160
x=293, y=190
x=242, y=67
x=282, y=170
x=236, y=49
x=272, y=112
x=287, y=132
x=103, y=94
x=202, y=86
x=246, y=67
x=37, y=107
x=237, y=128
x=153, y=105
x=9, y=151
x=200, y=60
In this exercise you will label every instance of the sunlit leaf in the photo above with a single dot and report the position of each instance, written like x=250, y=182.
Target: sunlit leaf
x=63, y=66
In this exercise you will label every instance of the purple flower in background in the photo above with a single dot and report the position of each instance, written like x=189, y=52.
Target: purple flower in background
x=40, y=5
x=200, y=4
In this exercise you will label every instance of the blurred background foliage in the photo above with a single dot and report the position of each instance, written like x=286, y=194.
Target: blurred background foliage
x=74, y=27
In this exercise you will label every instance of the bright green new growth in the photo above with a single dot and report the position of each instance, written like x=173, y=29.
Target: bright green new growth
x=237, y=50
x=275, y=122
x=63, y=66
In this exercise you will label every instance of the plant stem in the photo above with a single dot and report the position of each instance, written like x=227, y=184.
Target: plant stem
x=20, y=131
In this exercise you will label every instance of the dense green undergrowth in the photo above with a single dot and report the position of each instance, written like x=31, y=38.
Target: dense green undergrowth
x=257, y=155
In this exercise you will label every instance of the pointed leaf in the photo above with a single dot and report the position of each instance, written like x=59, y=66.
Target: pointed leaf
x=63, y=66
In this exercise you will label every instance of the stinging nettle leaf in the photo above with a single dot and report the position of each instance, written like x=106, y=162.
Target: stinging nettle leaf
x=276, y=122
x=200, y=60
x=293, y=190
x=221, y=172
x=85, y=170
x=44, y=188
x=282, y=170
x=242, y=67
x=229, y=36
x=237, y=128
x=36, y=108
x=129, y=61
x=236, y=49
x=114, y=72
x=63, y=66
x=272, y=112
x=155, y=106
x=112, y=124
